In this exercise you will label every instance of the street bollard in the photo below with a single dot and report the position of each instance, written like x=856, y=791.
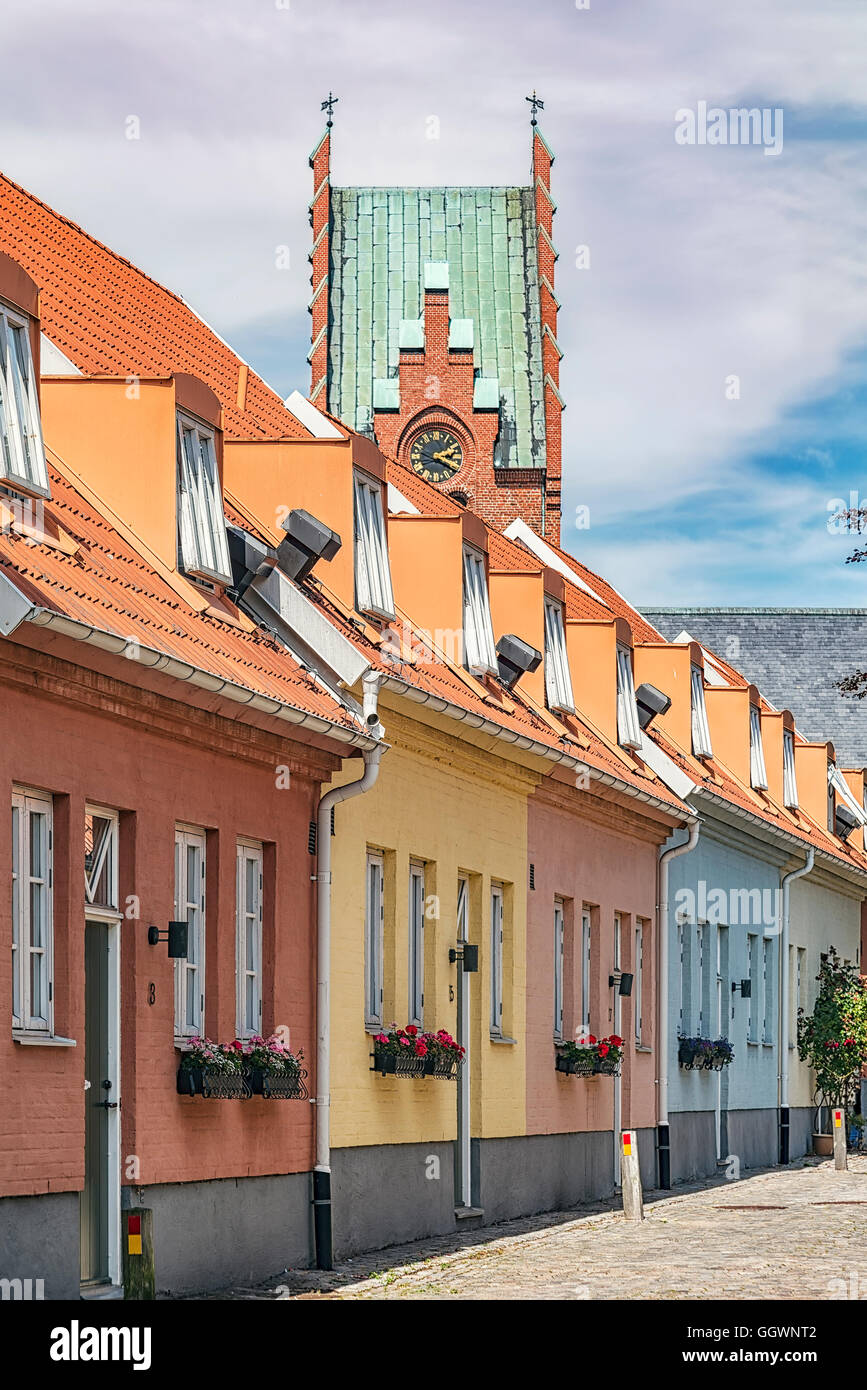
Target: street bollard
x=138, y=1253
x=841, y=1163
x=630, y=1176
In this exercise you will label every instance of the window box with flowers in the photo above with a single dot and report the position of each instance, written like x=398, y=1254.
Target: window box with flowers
x=410, y=1052
x=704, y=1054
x=590, y=1056
x=272, y=1071
x=213, y=1071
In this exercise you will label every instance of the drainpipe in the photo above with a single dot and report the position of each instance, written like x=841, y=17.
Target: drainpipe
x=663, y=1144
x=784, y=1002
x=322, y=1168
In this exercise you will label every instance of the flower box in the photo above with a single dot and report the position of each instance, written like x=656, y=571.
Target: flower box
x=389, y=1065
x=608, y=1066
x=576, y=1066
x=288, y=1085
x=590, y=1056
x=704, y=1054
x=410, y=1052
x=212, y=1085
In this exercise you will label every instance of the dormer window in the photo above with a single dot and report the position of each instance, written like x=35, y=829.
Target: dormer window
x=790, y=784
x=204, y=550
x=480, y=653
x=373, y=592
x=701, y=744
x=558, y=680
x=628, y=726
x=758, y=775
x=22, y=452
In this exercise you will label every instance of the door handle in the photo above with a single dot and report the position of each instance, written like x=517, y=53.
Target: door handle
x=108, y=1104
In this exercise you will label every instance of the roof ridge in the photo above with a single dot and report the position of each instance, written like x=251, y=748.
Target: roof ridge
x=103, y=246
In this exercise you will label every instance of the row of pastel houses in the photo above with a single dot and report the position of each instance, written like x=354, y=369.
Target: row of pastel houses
x=389, y=767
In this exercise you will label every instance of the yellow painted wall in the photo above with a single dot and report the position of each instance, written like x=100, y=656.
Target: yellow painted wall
x=459, y=809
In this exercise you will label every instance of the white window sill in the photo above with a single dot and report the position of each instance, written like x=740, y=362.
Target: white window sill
x=509, y=1042
x=373, y=1028
x=41, y=1039
x=753, y=1042
x=642, y=1047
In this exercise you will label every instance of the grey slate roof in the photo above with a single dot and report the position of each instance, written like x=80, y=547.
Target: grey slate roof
x=793, y=655
x=380, y=240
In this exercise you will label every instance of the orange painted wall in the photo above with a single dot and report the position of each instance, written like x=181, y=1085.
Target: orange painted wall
x=592, y=649
x=518, y=606
x=669, y=668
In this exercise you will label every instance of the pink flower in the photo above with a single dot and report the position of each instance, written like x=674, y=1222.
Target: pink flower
x=381, y=1038
x=405, y=1042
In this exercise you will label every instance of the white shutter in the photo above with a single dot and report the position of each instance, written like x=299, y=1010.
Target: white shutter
x=480, y=654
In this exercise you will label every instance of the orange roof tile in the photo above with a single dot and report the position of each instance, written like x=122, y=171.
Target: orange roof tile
x=112, y=319
x=107, y=585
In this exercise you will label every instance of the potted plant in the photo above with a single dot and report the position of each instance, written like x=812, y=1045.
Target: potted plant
x=704, y=1054
x=272, y=1071
x=590, y=1056
x=833, y=1040
x=400, y=1052
x=444, y=1055
x=212, y=1070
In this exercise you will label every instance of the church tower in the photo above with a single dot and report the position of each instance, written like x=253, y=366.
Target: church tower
x=435, y=332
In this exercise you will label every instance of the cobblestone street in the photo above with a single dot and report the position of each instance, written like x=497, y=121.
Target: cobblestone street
x=795, y=1234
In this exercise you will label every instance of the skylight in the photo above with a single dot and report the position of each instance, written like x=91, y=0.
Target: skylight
x=204, y=550
x=22, y=453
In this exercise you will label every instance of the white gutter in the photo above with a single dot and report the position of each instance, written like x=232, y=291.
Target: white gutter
x=529, y=745
x=665, y=858
x=322, y=1170
x=784, y=1000
x=155, y=660
x=773, y=832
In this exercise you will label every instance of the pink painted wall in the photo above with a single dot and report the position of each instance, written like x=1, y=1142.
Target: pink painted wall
x=592, y=853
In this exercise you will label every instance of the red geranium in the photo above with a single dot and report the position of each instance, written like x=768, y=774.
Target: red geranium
x=420, y=1049
x=411, y=1029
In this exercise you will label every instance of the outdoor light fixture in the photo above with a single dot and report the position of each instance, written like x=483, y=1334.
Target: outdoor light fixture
x=249, y=558
x=650, y=702
x=844, y=822
x=623, y=980
x=468, y=956
x=176, y=936
x=306, y=541
x=744, y=986
x=514, y=657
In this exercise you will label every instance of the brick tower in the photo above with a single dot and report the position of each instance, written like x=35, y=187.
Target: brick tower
x=434, y=332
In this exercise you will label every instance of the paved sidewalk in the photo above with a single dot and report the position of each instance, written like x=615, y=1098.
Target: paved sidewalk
x=796, y=1233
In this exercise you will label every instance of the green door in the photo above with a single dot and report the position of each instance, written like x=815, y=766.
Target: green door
x=99, y=1086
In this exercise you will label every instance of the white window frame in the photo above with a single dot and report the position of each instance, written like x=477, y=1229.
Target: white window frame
x=416, y=942
x=559, y=966
x=790, y=779
x=628, y=726
x=638, y=978
x=480, y=652
x=373, y=589
x=753, y=977
x=680, y=990
x=190, y=896
x=107, y=854
x=496, y=1012
x=374, y=920
x=24, y=804
x=586, y=958
x=558, y=678
x=202, y=543
x=758, y=773
x=701, y=742
x=22, y=450
x=248, y=937
x=767, y=990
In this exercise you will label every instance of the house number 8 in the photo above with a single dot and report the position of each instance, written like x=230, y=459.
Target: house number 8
x=152, y=993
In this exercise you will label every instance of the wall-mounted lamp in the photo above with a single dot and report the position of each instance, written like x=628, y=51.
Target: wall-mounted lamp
x=468, y=956
x=744, y=986
x=176, y=935
x=623, y=980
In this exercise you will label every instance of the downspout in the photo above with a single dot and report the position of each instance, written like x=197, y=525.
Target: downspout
x=663, y=1143
x=322, y=1170
x=784, y=1001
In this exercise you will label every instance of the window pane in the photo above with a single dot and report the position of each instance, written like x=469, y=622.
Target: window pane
x=37, y=848
x=37, y=1009
x=201, y=519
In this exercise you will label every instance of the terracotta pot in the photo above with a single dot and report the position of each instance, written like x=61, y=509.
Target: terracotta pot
x=823, y=1145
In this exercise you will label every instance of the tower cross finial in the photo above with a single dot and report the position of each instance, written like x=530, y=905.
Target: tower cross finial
x=536, y=103
x=329, y=106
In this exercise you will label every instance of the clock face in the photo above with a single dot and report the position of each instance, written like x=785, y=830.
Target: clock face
x=436, y=454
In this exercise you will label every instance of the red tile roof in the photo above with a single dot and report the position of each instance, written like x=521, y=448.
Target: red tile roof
x=111, y=319
x=107, y=585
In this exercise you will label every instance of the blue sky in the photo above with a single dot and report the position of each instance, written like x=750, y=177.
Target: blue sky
x=705, y=262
